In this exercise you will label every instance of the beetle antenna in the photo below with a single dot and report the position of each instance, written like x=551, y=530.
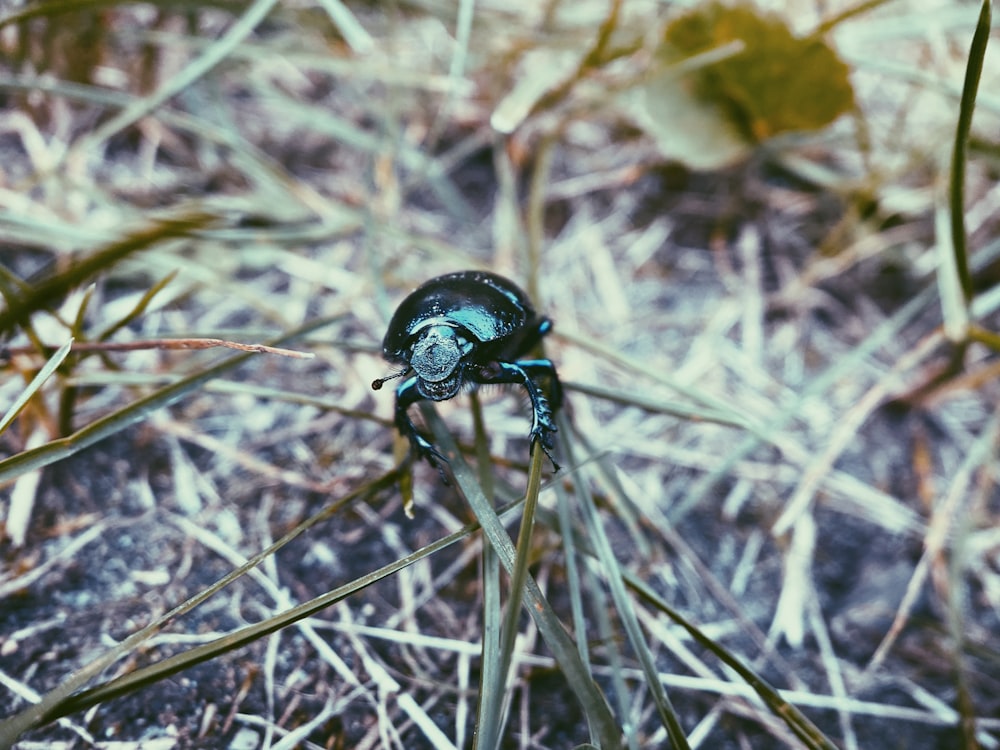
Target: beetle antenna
x=379, y=382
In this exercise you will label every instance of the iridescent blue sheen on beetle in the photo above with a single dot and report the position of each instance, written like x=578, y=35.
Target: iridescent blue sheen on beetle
x=468, y=328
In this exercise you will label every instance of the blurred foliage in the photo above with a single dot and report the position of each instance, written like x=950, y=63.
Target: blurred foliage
x=778, y=83
x=771, y=82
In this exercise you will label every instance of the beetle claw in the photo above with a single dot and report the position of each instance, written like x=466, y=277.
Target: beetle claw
x=555, y=464
x=544, y=439
x=541, y=433
x=421, y=448
x=425, y=449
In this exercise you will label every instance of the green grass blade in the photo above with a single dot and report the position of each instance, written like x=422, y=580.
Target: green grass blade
x=729, y=417
x=512, y=615
x=125, y=684
x=36, y=382
x=604, y=729
x=51, y=290
x=973, y=71
x=56, y=450
x=494, y=669
x=61, y=702
x=614, y=575
x=803, y=728
x=140, y=307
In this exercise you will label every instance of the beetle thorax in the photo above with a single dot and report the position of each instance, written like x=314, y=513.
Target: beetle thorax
x=436, y=358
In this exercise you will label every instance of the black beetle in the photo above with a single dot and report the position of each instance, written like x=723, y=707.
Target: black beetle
x=468, y=328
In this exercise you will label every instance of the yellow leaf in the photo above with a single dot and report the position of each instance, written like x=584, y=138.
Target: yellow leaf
x=778, y=83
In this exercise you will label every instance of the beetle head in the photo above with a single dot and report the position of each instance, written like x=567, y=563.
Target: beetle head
x=437, y=358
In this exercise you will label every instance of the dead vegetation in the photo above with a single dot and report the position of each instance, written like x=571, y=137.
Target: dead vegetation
x=781, y=424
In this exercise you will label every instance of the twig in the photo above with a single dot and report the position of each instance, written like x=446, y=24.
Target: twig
x=196, y=343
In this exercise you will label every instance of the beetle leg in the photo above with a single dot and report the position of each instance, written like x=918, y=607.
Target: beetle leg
x=407, y=395
x=542, y=425
x=535, y=367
